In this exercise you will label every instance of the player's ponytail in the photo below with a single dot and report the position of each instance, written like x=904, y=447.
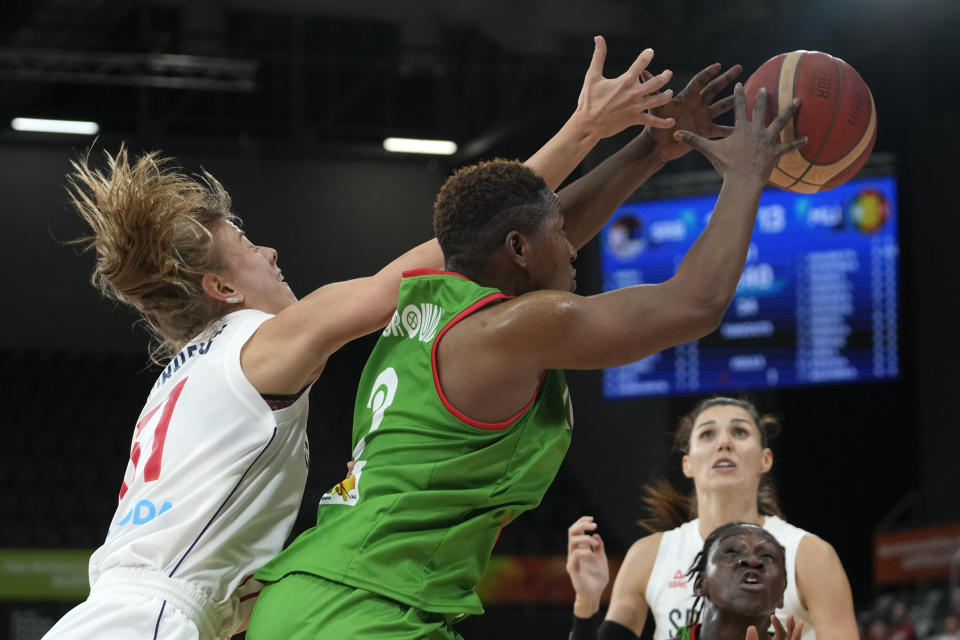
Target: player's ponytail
x=666, y=506
x=152, y=235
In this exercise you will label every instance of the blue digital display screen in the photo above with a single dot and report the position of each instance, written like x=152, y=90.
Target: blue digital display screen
x=816, y=304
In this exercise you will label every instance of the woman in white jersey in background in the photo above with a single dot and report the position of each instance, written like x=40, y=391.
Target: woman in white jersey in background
x=725, y=446
x=218, y=460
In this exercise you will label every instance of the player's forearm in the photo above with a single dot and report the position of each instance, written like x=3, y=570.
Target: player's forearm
x=555, y=160
x=713, y=265
x=426, y=255
x=423, y=256
x=589, y=202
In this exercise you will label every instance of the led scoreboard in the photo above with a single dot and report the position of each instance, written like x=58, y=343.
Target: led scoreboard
x=816, y=304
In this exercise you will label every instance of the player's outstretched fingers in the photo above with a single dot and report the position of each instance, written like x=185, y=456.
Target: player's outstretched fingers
x=721, y=106
x=652, y=102
x=642, y=62
x=657, y=82
x=793, y=631
x=778, y=630
x=693, y=140
x=703, y=145
x=760, y=107
x=702, y=78
x=720, y=83
x=783, y=117
x=599, y=56
x=739, y=104
x=790, y=146
x=797, y=632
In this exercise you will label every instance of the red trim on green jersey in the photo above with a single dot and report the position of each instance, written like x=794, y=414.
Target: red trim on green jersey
x=502, y=525
x=495, y=426
x=413, y=273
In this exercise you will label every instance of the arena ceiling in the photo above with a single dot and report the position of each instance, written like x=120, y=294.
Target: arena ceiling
x=340, y=76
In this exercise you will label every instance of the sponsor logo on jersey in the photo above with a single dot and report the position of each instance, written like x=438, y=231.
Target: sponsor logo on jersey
x=141, y=513
x=678, y=581
x=346, y=491
x=415, y=322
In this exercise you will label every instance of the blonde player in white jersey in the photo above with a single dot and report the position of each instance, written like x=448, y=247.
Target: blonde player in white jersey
x=218, y=459
x=726, y=454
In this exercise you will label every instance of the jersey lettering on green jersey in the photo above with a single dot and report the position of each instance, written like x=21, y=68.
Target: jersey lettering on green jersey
x=415, y=322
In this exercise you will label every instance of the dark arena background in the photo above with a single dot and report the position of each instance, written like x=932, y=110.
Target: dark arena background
x=287, y=102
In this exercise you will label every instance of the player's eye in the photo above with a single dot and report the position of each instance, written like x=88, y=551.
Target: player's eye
x=706, y=434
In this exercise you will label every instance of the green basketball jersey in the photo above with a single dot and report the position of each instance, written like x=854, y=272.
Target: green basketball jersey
x=431, y=488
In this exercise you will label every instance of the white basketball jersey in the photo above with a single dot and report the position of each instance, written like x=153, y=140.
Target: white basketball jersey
x=214, y=480
x=670, y=595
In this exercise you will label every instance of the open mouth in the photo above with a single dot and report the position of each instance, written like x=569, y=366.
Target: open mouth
x=724, y=463
x=752, y=581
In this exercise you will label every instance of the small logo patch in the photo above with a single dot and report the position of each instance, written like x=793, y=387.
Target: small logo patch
x=678, y=581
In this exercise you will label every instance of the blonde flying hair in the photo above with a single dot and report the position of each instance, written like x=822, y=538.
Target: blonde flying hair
x=152, y=232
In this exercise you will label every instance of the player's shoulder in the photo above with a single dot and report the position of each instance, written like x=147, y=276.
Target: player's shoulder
x=812, y=545
x=785, y=532
x=642, y=554
x=534, y=308
x=637, y=566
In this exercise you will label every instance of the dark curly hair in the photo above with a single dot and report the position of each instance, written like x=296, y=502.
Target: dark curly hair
x=480, y=204
x=667, y=507
x=699, y=566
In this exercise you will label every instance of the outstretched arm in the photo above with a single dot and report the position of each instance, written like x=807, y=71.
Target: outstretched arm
x=290, y=350
x=559, y=330
x=589, y=202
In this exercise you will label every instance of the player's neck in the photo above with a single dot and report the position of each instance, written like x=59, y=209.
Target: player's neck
x=725, y=625
x=718, y=508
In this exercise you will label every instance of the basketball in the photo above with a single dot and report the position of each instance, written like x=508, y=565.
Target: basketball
x=836, y=113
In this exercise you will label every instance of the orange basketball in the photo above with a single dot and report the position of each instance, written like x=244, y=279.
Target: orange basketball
x=836, y=112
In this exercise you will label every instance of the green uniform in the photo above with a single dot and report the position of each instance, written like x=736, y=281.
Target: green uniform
x=689, y=633
x=431, y=488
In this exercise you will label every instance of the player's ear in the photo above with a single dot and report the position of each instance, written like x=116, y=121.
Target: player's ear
x=766, y=460
x=517, y=246
x=217, y=288
x=698, y=586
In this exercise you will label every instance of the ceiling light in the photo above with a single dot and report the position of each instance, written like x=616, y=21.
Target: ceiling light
x=415, y=145
x=79, y=127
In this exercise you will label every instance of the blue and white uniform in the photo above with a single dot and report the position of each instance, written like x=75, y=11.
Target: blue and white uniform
x=210, y=494
x=669, y=593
